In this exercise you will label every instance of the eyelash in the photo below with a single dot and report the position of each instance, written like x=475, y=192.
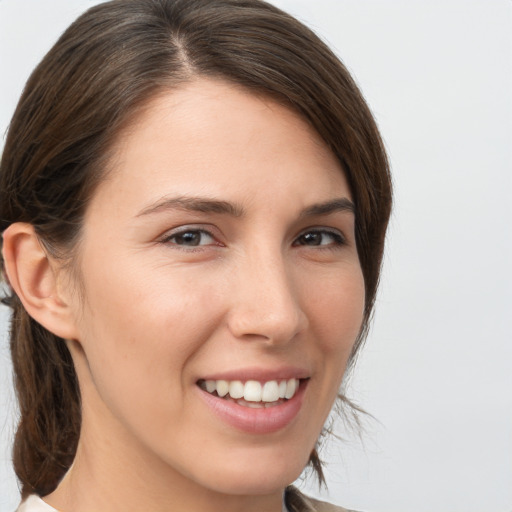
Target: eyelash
x=337, y=238
x=169, y=238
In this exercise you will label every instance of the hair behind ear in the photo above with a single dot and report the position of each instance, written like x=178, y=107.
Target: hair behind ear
x=49, y=404
x=45, y=380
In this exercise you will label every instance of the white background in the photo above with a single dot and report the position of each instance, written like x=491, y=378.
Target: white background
x=437, y=369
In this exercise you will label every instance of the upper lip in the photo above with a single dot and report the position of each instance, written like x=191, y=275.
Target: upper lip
x=260, y=374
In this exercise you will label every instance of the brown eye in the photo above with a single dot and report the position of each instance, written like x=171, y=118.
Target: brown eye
x=320, y=238
x=190, y=238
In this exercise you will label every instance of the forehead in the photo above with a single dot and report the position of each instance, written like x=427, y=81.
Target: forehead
x=217, y=139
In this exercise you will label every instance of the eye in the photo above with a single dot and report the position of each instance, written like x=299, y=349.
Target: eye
x=190, y=238
x=320, y=237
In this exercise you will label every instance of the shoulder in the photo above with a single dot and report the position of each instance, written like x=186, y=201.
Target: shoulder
x=295, y=501
x=298, y=502
x=34, y=504
x=322, y=506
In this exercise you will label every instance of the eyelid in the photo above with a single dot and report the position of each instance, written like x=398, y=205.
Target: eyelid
x=335, y=232
x=166, y=238
x=197, y=228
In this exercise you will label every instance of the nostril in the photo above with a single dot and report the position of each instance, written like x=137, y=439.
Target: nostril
x=265, y=304
x=269, y=326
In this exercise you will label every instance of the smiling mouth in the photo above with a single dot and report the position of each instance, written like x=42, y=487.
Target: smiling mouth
x=252, y=393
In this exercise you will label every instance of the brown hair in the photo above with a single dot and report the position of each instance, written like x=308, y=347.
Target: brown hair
x=110, y=61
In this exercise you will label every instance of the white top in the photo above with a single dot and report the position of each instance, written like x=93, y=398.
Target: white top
x=35, y=504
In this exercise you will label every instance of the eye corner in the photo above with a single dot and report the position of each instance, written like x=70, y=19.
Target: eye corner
x=190, y=238
x=315, y=237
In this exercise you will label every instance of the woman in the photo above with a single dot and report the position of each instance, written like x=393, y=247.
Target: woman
x=194, y=198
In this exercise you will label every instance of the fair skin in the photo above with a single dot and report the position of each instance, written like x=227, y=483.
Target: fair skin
x=219, y=248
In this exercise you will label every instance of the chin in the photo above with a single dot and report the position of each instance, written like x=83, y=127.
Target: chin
x=257, y=476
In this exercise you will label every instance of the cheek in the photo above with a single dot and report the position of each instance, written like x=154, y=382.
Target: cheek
x=139, y=332
x=154, y=304
x=136, y=340
x=336, y=311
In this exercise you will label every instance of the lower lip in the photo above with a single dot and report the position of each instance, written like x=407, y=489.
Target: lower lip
x=265, y=420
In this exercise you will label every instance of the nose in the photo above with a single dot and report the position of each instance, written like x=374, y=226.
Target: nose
x=266, y=301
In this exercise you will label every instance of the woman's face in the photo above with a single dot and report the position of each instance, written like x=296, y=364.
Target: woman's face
x=218, y=258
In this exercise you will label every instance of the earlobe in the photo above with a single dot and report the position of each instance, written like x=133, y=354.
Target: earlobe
x=33, y=275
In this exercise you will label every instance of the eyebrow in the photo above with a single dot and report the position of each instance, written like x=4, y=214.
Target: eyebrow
x=193, y=204
x=208, y=205
x=342, y=204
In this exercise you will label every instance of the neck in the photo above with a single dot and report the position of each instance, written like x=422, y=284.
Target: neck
x=112, y=473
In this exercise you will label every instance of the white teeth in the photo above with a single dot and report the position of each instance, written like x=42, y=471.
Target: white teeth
x=236, y=389
x=222, y=388
x=252, y=405
x=253, y=392
x=282, y=389
x=211, y=386
x=270, y=392
x=291, y=387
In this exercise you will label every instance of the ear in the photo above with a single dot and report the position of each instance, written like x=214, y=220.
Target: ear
x=33, y=275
